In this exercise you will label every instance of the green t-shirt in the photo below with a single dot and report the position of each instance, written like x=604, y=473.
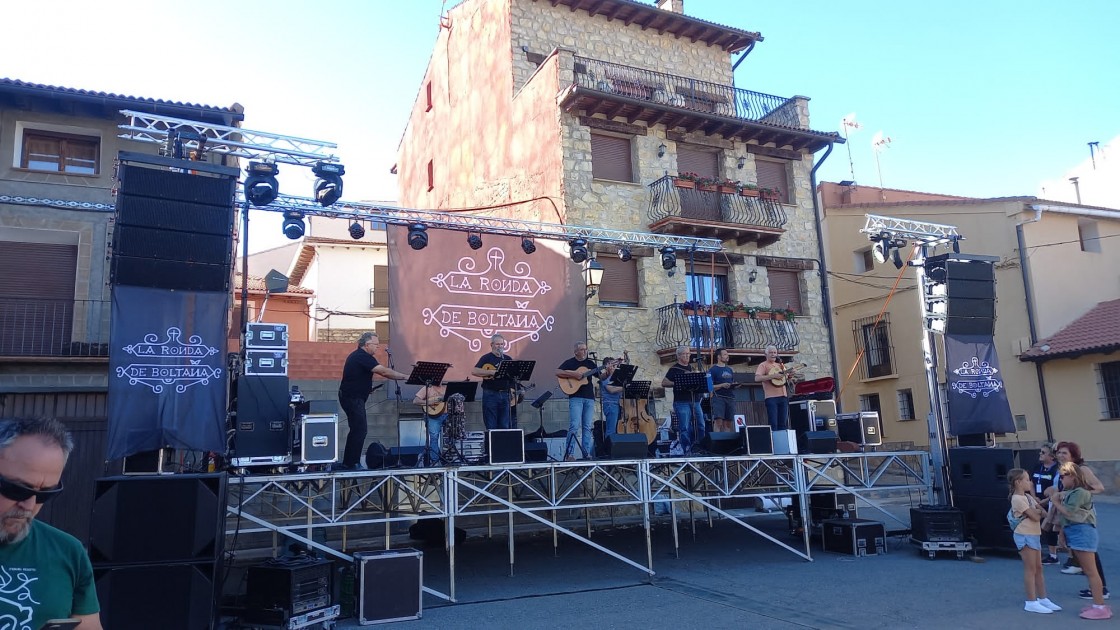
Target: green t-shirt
x=45, y=576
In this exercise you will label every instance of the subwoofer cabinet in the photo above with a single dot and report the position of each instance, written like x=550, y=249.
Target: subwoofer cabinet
x=390, y=585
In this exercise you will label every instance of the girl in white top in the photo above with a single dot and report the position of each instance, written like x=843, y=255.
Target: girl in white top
x=1027, y=538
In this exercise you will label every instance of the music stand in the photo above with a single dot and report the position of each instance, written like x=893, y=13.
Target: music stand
x=623, y=374
x=427, y=373
x=466, y=388
x=692, y=383
x=637, y=389
x=515, y=370
x=538, y=404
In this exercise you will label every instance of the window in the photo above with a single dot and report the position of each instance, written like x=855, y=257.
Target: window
x=428, y=94
x=785, y=289
x=864, y=261
x=620, y=281
x=382, y=331
x=905, y=404
x=60, y=152
x=1088, y=235
x=1108, y=377
x=870, y=402
x=610, y=158
x=773, y=175
x=431, y=176
x=379, y=294
x=874, y=341
x=709, y=332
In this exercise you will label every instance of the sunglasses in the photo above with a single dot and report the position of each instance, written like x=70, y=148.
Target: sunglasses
x=16, y=491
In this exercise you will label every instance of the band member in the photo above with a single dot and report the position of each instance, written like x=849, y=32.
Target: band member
x=354, y=391
x=433, y=398
x=777, y=403
x=723, y=396
x=495, y=392
x=581, y=405
x=685, y=404
x=611, y=397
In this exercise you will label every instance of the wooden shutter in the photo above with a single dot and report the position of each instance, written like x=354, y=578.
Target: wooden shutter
x=700, y=161
x=36, y=297
x=382, y=330
x=380, y=286
x=610, y=158
x=785, y=289
x=620, y=281
x=773, y=175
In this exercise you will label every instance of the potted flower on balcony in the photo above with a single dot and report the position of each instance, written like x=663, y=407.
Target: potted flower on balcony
x=769, y=194
x=686, y=180
x=784, y=314
x=749, y=190
x=729, y=186
x=693, y=307
x=761, y=312
x=723, y=309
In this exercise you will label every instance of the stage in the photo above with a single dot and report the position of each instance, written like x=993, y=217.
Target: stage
x=321, y=510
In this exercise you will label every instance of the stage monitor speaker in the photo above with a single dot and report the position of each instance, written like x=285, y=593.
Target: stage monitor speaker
x=165, y=596
x=862, y=427
x=722, y=443
x=982, y=472
x=759, y=440
x=505, y=446
x=389, y=585
x=376, y=456
x=536, y=452
x=627, y=446
x=817, y=442
x=162, y=183
x=404, y=456
x=158, y=519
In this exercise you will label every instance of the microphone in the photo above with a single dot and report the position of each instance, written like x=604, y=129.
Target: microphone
x=388, y=351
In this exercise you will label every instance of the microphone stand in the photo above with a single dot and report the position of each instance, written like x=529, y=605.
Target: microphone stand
x=397, y=383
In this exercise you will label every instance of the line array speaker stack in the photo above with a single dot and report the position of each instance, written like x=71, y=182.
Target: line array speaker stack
x=156, y=545
x=969, y=291
x=979, y=480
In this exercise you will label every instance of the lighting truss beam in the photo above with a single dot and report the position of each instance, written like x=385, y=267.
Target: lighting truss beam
x=921, y=231
x=235, y=141
x=464, y=222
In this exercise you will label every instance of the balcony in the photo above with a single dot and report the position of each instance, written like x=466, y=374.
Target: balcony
x=742, y=336
x=715, y=212
x=602, y=87
x=54, y=328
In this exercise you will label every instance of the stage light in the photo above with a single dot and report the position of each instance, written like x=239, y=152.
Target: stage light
x=578, y=250
x=879, y=251
x=956, y=245
x=357, y=231
x=261, y=187
x=528, y=246
x=668, y=258
x=896, y=258
x=474, y=239
x=293, y=224
x=328, y=186
x=624, y=254
x=417, y=236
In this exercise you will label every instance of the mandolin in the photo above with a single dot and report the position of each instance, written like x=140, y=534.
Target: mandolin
x=780, y=376
x=571, y=385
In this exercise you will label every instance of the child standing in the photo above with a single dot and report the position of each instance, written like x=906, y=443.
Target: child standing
x=1079, y=523
x=1026, y=510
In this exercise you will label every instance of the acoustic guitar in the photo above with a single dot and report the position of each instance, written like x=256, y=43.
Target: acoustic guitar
x=435, y=406
x=779, y=376
x=570, y=385
x=517, y=392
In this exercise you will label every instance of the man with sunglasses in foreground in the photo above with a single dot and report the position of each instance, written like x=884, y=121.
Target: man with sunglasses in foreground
x=46, y=571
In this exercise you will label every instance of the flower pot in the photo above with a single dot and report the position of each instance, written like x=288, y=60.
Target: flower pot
x=708, y=188
x=779, y=317
x=727, y=190
x=740, y=315
x=746, y=192
x=684, y=183
x=770, y=196
x=763, y=315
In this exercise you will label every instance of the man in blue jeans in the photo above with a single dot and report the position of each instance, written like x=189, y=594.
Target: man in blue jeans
x=581, y=404
x=354, y=391
x=495, y=392
x=432, y=400
x=611, y=396
x=686, y=404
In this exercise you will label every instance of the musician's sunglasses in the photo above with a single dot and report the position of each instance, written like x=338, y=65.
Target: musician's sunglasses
x=16, y=491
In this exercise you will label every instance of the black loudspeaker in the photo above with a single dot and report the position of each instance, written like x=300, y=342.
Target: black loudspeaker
x=376, y=454
x=973, y=439
x=817, y=442
x=177, y=216
x=985, y=520
x=158, y=519
x=506, y=446
x=982, y=472
x=722, y=443
x=627, y=446
x=403, y=457
x=760, y=440
x=168, y=596
x=970, y=291
x=536, y=452
x=156, y=244
x=937, y=523
x=389, y=586
x=169, y=274
x=263, y=425
x=162, y=183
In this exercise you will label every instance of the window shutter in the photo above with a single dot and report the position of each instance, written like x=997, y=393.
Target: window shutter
x=43, y=271
x=773, y=175
x=620, y=281
x=699, y=161
x=785, y=289
x=380, y=286
x=610, y=158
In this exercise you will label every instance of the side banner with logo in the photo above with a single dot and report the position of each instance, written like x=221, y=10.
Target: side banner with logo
x=167, y=375
x=977, y=398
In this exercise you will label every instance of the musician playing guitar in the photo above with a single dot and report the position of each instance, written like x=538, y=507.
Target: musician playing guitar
x=723, y=398
x=777, y=402
x=431, y=399
x=495, y=392
x=581, y=403
x=610, y=395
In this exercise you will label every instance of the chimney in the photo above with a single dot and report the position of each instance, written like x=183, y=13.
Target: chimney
x=676, y=6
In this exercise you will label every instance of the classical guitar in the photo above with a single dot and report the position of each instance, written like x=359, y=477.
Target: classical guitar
x=779, y=376
x=517, y=394
x=571, y=385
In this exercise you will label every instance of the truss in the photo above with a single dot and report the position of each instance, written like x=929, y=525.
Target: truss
x=920, y=231
x=470, y=222
x=235, y=141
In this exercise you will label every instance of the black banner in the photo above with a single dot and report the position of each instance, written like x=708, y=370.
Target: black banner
x=977, y=398
x=167, y=375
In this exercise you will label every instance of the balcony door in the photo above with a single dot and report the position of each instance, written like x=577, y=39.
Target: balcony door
x=696, y=204
x=708, y=288
x=36, y=298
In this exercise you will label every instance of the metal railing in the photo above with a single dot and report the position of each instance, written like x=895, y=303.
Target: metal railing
x=668, y=200
x=675, y=328
x=686, y=93
x=54, y=328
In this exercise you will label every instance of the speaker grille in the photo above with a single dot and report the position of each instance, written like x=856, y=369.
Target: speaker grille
x=170, y=274
x=168, y=214
x=166, y=184
x=141, y=242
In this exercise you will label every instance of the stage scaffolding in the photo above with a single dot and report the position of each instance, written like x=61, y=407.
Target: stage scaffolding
x=304, y=506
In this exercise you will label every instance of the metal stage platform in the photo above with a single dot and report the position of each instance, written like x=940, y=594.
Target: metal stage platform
x=313, y=508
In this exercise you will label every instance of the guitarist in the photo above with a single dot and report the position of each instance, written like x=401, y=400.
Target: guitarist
x=581, y=404
x=495, y=392
x=777, y=402
x=723, y=398
x=432, y=400
x=611, y=398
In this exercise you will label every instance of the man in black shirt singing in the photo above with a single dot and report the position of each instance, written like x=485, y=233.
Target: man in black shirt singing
x=353, y=392
x=495, y=392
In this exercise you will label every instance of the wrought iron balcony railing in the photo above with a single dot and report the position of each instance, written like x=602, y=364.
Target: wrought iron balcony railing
x=676, y=328
x=686, y=93
x=54, y=328
x=669, y=200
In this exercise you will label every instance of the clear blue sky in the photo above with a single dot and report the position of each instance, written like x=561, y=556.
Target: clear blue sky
x=981, y=98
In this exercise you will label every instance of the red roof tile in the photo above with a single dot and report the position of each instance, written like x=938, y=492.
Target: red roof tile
x=256, y=285
x=1097, y=331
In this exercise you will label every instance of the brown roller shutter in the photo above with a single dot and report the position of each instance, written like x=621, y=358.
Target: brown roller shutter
x=703, y=162
x=620, y=281
x=785, y=289
x=43, y=271
x=610, y=158
x=380, y=286
x=773, y=175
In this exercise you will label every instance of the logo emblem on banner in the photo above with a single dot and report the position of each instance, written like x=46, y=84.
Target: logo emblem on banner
x=976, y=377
x=169, y=362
